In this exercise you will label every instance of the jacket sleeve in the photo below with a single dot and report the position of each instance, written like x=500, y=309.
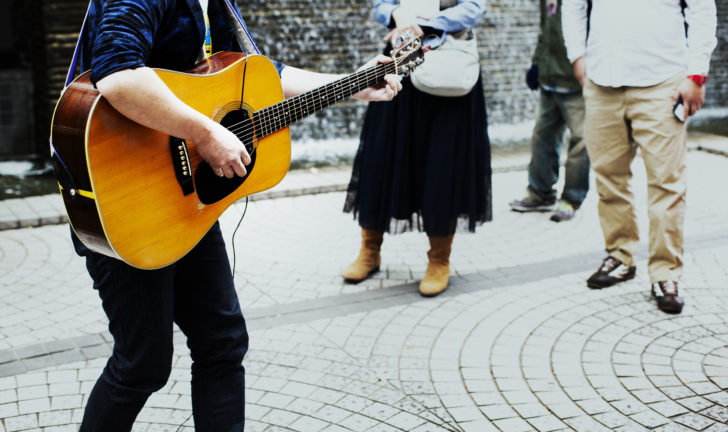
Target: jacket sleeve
x=383, y=11
x=700, y=15
x=125, y=35
x=465, y=15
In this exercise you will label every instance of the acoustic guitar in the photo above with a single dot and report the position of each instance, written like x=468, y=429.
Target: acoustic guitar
x=147, y=198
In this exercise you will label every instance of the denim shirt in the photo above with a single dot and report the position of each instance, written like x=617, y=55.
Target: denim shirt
x=465, y=15
x=168, y=34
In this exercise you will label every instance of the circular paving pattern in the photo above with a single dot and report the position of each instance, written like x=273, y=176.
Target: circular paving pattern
x=544, y=356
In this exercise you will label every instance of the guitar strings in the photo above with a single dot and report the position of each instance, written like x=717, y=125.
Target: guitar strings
x=244, y=130
x=235, y=260
x=331, y=88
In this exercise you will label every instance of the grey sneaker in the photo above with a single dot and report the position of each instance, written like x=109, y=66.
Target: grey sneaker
x=564, y=211
x=531, y=203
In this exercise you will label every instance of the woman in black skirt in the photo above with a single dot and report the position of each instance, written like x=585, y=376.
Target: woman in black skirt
x=423, y=161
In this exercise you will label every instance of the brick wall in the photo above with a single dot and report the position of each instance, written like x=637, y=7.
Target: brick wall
x=338, y=36
x=717, y=87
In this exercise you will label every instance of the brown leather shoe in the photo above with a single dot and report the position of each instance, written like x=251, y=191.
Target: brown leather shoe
x=367, y=263
x=665, y=292
x=611, y=272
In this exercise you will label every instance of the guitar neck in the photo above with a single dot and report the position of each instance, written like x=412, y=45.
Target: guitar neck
x=276, y=117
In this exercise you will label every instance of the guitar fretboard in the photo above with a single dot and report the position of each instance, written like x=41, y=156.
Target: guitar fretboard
x=276, y=117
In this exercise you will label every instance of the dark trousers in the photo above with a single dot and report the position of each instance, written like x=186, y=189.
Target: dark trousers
x=556, y=112
x=197, y=293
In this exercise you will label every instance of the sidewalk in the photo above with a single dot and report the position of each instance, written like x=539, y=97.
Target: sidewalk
x=517, y=343
x=48, y=209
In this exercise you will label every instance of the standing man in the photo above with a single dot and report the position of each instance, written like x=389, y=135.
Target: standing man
x=121, y=42
x=640, y=59
x=561, y=106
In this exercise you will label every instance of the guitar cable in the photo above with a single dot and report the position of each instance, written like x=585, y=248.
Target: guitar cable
x=232, y=239
x=245, y=210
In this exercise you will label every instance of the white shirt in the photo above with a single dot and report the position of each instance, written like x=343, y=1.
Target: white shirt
x=640, y=43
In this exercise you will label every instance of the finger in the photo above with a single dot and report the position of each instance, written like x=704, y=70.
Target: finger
x=690, y=108
x=391, y=93
x=394, y=81
x=228, y=171
x=245, y=156
x=389, y=36
x=219, y=172
x=381, y=58
x=238, y=169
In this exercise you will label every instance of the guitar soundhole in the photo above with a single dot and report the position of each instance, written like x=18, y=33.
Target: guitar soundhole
x=212, y=188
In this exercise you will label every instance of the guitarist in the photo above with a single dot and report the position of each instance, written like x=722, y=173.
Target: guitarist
x=123, y=40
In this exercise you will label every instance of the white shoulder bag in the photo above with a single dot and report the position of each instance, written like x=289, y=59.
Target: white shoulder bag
x=452, y=69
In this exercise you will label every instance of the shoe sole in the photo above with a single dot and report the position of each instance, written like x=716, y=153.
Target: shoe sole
x=600, y=286
x=432, y=294
x=541, y=209
x=356, y=281
x=671, y=310
x=675, y=310
x=561, y=218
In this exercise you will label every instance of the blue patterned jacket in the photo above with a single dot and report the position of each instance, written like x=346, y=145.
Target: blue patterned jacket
x=127, y=34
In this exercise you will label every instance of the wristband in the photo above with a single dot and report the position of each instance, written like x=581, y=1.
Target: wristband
x=698, y=79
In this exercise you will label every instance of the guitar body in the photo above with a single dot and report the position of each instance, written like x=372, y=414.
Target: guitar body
x=146, y=198
x=128, y=202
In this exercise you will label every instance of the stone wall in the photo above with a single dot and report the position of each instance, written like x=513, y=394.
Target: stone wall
x=334, y=36
x=717, y=87
x=338, y=35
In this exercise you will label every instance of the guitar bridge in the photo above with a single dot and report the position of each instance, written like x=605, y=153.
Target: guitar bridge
x=181, y=164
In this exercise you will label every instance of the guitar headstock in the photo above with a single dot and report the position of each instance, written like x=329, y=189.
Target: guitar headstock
x=408, y=54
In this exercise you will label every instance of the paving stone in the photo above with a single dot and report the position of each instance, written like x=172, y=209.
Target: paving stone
x=695, y=421
x=22, y=422
x=516, y=343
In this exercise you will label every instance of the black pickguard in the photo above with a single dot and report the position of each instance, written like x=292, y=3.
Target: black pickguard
x=212, y=188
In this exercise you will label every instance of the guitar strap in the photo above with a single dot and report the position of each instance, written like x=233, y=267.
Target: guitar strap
x=63, y=174
x=242, y=36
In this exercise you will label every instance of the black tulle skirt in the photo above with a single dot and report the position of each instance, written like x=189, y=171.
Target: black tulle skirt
x=423, y=164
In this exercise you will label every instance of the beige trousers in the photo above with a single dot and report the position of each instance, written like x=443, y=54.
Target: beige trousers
x=618, y=120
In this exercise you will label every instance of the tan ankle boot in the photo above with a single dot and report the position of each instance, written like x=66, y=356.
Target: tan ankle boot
x=438, y=267
x=367, y=263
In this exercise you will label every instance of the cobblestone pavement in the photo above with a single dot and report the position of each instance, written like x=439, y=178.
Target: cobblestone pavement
x=517, y=343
